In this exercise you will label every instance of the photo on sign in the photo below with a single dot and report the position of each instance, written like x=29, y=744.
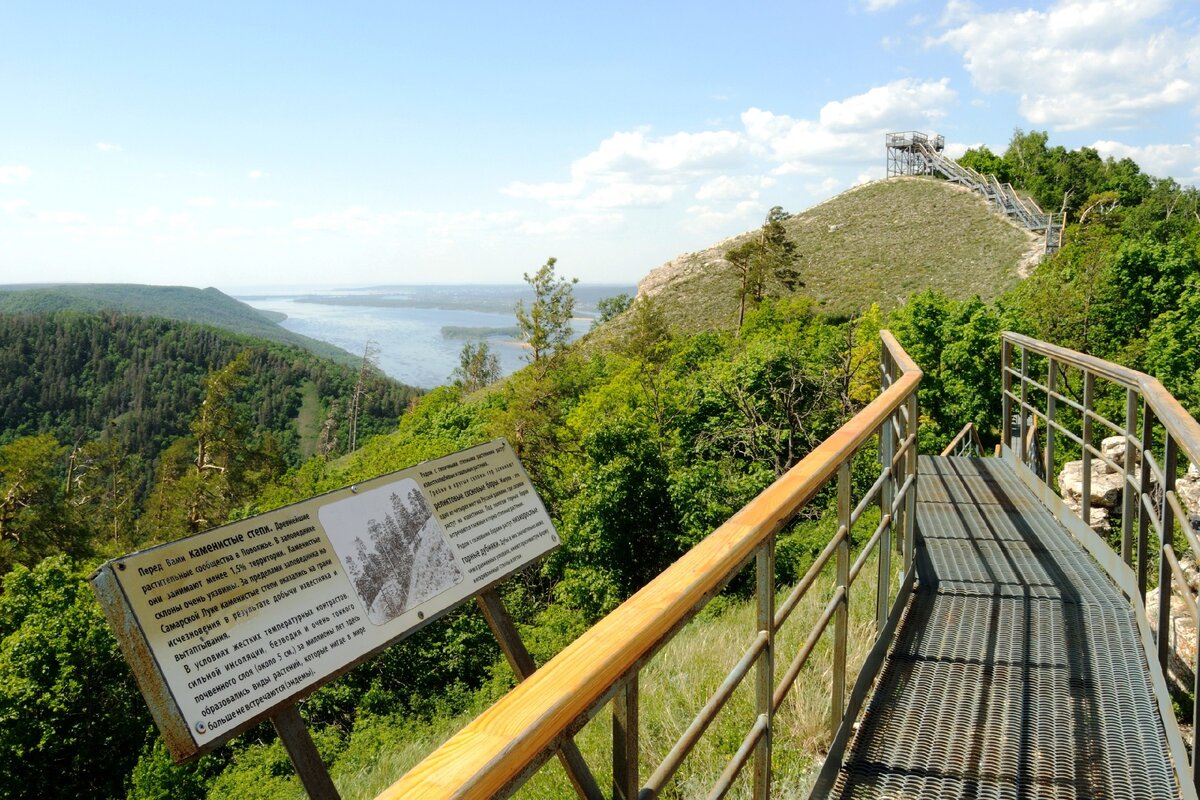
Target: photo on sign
x=392, y=547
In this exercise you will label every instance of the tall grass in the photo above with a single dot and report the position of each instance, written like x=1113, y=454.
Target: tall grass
x=673, y=686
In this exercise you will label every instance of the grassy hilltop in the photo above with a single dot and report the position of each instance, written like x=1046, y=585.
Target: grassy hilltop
x=876, y=243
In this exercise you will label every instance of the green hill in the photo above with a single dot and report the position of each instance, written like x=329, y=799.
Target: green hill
x=79, y=375
x=183, y=303
x=876, y=243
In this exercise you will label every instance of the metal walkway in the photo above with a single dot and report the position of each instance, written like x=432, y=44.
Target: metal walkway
x=1018, y=670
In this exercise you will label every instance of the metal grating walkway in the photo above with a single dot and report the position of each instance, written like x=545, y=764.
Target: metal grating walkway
x=1017, y=671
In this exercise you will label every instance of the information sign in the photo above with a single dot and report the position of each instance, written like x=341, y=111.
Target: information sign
x=224, y=626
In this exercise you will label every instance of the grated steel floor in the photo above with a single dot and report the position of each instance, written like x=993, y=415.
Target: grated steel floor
x=1017, y=671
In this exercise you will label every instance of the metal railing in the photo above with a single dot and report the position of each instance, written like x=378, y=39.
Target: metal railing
x=494, y=754
x=1063, y=392
x=966, y=443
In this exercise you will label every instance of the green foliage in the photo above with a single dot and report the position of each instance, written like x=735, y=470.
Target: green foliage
x=763, y=262
x=546, y=324
x=477, y=367
x=35, y=519
x=71, y=719
x=957, y=346
x=140, y=381
x=157, y=777
x=619, y=524
x=640, y=443
x=985, y=162
x=1174, y=341
x=612, y=307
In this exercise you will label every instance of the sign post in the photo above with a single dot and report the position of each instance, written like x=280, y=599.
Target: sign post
x=232, y=626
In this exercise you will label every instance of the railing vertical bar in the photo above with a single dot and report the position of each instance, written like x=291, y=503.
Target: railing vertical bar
x=1165, y=573
x=887, y=441
x=1127, y=502
x=1143, y=545
x=626, y=781
x=1023, y=452
x=765, y=669
x=910, y=512
x=1089, y=389
x=1006, y=391
x=841, y=620
x=1051, y=408
x=1196, y=709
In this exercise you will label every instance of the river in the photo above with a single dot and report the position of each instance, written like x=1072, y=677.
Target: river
x=420, y=330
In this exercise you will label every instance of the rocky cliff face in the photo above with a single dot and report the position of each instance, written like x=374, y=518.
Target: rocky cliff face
x=1106, y=496
x=1107, y=483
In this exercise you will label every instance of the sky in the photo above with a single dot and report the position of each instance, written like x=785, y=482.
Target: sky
x=357, y=144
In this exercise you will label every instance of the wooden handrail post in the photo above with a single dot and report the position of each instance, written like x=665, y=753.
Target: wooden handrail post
x=521, y=661
x=626, y=779
x=841, y=619
x=765, y=669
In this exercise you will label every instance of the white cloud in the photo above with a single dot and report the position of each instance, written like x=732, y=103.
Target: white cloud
x=881, y=5
x=15, y=174
x=706, y=218
x=734, y=187
x=955, y=150
x=13, y=206
x=636, y=153
x=850, y=129
x=825, y=187
x=628, y=195
x=255, y=174
x=726, y=171
x=108, y=147
x=1080, y=63
x=1179, y=161
x=633, y=169
x=202, y=202
x=363, y=221
x=570, y=225
x=356, y=219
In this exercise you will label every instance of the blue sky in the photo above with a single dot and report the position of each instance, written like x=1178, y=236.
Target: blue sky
x=236, y=144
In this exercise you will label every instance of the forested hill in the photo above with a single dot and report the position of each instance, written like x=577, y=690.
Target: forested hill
x=111, y=407
x=184, y=303
x=79, y=375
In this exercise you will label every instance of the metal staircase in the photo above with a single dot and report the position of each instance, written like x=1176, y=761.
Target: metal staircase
x=914, y=153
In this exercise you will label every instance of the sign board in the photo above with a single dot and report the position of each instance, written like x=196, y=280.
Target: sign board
x=225, y=626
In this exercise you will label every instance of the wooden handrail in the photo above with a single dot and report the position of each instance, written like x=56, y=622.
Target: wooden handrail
x=504, y=741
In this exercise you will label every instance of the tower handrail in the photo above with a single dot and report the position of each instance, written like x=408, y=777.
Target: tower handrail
x=493, y=754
